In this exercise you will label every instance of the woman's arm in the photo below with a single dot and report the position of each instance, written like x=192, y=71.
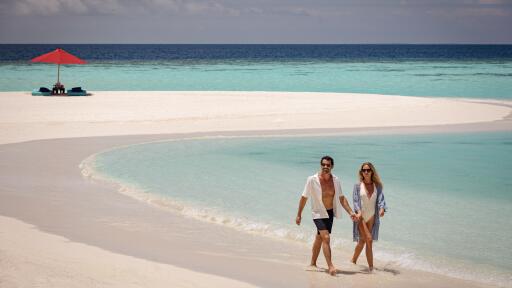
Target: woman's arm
x=381, y=203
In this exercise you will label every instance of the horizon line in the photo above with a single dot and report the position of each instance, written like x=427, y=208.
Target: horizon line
x=384, y=43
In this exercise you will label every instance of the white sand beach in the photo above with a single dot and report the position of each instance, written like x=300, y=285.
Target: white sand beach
x=59, y=229
x=24, y=117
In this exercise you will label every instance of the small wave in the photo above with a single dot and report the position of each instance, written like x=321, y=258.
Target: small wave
x=462, y=74
x=195, y=211
x=386, y=254
x=445, y=266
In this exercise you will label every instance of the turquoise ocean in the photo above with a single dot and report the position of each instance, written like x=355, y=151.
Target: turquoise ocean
x=430, y=79
x=468, y=71
x=449, y=195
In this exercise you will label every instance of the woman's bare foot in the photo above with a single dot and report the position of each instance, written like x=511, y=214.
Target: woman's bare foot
x=370, y=269
x=332, y=271
x=353, y=261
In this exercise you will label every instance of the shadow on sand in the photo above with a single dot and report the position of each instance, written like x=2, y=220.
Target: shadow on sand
x=363, y=270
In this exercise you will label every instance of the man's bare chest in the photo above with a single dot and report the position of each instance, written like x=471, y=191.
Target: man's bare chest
x=327, y=188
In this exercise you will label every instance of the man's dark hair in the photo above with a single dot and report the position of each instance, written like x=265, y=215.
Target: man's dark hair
x=328, y=158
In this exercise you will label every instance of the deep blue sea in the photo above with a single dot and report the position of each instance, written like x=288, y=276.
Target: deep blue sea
x=467, y=71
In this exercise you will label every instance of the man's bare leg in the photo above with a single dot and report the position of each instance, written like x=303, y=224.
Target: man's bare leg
x=317, y=245
x=326, y=248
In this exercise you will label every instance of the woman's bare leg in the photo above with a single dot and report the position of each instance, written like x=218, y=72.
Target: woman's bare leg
x=360, y=243
x=369, y=242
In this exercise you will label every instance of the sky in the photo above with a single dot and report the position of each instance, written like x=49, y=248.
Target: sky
x=256, y=21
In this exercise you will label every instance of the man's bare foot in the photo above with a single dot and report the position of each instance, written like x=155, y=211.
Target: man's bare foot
x=353, y=261
x=332, y=271
x=370, y=269
x=312, y=267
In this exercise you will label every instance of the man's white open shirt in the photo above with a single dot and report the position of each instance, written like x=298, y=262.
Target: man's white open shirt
x=313, y=191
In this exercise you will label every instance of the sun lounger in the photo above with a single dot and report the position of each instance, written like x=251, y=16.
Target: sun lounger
x=76, y=91
x=42, y=91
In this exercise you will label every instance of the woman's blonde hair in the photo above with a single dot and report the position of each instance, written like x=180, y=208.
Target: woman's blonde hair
x=375, y=175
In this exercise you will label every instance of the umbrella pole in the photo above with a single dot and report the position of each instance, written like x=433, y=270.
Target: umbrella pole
x=58, y=73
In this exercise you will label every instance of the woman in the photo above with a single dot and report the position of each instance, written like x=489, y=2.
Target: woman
x=369, y=204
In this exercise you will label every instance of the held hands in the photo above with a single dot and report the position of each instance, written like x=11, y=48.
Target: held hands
x=354, y=217
x=358, y=217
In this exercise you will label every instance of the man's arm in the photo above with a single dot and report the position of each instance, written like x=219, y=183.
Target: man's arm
x=347, y=208
x=302, y=203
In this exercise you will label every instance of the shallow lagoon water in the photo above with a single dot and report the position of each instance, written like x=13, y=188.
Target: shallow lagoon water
x=443, y=191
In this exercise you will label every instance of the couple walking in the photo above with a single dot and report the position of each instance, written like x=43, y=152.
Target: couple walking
x=327, y=199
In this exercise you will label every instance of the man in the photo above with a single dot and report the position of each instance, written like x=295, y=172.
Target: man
x=324, y=189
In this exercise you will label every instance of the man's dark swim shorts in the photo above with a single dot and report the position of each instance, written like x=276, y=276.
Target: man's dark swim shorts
x=325, y=223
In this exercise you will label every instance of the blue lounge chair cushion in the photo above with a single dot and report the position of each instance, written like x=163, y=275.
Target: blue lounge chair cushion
x=42, y=91
x=77, y=91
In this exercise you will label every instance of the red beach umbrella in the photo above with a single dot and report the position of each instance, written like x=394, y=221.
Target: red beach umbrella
x=58, y=56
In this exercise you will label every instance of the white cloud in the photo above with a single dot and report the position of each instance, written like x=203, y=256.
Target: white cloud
x=209, y=8
x=165, y=5
x=53, y=7
x=313, y=12
x=253, y=10
x=76, y=6
x=470, y=12
x=482, y=12
x=302, y=11
x=491, y=2
x=43, y=7
x=107, y=6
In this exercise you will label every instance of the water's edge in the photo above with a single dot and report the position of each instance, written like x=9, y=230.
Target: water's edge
x=183, y=209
